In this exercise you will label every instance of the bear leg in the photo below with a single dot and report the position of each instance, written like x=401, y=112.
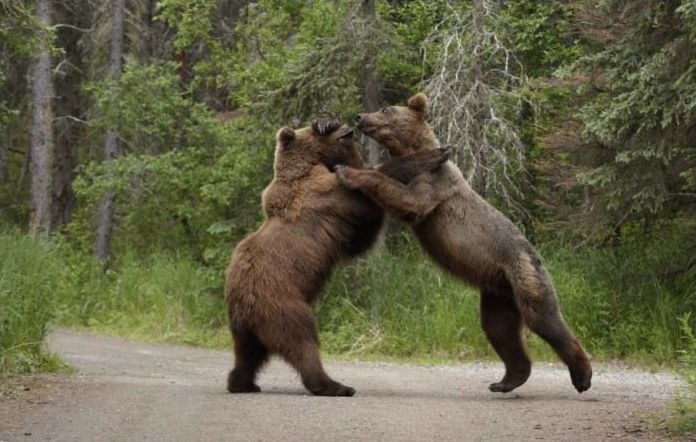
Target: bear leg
x=250, y=355
x=307, y=362
x=551, y=327
x=540, y=312
x=294, y=336
x=502, y=324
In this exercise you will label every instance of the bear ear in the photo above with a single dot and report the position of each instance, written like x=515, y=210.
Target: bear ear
x=285, y=136
x=418, y=103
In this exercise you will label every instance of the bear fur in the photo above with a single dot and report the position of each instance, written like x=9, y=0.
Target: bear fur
x=472, y=240
x=311, y=222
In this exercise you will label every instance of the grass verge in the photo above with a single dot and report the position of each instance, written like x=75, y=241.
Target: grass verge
x=30, y=276
x=684, y=405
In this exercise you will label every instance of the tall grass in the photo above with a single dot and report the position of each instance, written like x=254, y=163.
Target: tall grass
x=622, y=302
x=684, y=406
x=164, y=298
x=31, y=274
x=394, y=302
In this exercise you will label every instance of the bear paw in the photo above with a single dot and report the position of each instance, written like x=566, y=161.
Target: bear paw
x=335, y=389
x=347, y=176
x=240, y=383
x=250, y=388
x=581, y=376
x=510, y=381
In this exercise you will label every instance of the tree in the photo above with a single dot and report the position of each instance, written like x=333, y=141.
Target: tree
x=72, y=20
x=472, y=93
x=41, y=150
x=105, y=214
x=641, y=110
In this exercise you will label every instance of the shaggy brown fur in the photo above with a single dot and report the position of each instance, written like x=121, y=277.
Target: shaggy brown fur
x=474, y=241
x=311, y=222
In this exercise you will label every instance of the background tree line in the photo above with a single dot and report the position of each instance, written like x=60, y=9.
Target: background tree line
x=131, y=115
x=138, y=135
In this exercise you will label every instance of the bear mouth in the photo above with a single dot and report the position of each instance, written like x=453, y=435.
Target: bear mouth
x=366, y=128
x=344, y=132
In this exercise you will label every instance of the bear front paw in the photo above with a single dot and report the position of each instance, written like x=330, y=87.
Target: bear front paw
x=347, y=176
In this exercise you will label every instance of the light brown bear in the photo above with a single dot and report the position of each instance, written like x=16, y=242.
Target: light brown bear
x=472, y=240
x=312, y=221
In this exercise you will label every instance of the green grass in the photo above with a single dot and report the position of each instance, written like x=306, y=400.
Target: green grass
x=398, y=304
x=622, y=302
x=684, y=406
x=30, y=277
x=161, y=298
x=614, y=299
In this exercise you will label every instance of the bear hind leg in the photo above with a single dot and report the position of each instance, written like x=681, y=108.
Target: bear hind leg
x=306, y=360
x=294, y=336
x=250, y=355
x=538, y=305
x=502, y=324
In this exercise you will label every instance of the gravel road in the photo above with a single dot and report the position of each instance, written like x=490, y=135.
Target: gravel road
x=127, y=391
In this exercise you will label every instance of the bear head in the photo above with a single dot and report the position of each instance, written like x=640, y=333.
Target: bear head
x=401, y=129
x=326, y=141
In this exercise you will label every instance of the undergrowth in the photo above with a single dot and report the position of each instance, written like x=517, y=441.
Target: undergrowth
x=684, y=405
x=30, y=276
x=622, y=302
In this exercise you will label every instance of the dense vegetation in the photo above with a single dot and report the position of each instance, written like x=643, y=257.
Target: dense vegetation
x=136, y=137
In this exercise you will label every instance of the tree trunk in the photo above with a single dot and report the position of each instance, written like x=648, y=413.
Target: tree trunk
x=68, y=106
x=41, y=144
x=3, y=162
x=371, y=95
x=102, y=246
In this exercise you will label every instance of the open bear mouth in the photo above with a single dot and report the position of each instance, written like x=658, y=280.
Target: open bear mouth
x=344, y=132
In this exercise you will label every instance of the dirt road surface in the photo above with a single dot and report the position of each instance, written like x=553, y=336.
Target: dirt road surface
x=127, y=391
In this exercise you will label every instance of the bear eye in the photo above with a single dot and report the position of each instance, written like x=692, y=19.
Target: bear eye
x=384, y=110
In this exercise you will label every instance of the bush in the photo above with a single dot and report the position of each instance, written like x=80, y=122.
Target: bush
x=31, y=274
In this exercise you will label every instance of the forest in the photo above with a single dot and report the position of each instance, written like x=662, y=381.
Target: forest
x=136, y=137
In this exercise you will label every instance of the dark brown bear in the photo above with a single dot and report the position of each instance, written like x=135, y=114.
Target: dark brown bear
x=472, y=240
x=312, y=221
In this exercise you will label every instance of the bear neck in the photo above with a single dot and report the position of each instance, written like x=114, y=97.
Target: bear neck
x=423, y=139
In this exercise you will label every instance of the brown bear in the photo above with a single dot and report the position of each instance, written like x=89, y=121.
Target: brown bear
x=472, y=240
x=311, y=222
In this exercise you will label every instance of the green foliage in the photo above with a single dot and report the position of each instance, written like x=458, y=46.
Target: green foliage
x=20, y=30
x=319, y=71
x=396, y=303
x=261, y=49
x=684, y=406
x=149, y=110
x=399, y=304
x=540, y=34
x=165, y=298
x=635, y=297
x=192, y=19
x=407, y=60
x=186, y=174
x=645, y=114
x=196, y=120
x=31, y=277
